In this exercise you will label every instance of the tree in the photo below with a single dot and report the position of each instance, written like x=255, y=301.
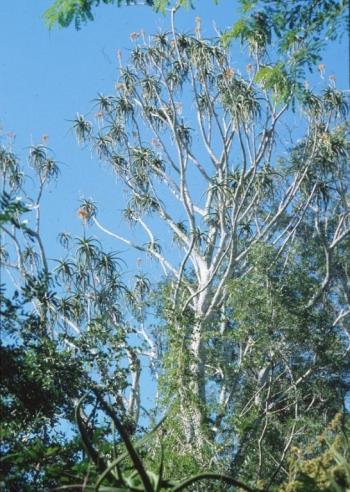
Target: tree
x=252, y=203
x=39, y=382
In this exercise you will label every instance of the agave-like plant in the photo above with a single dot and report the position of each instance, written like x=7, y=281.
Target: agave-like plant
x=116, y=477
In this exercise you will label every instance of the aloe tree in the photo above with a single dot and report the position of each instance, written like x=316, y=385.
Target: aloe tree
x=198, y=147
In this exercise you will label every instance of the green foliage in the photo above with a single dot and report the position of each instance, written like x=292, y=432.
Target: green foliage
x=117, y=475
x=11, y=210
x=38, y=383
x=323, y=466
x=254, y=30
x=300, y=29
x=64, y=12
x=275, y=78
x=161, y=5
x=282, y=335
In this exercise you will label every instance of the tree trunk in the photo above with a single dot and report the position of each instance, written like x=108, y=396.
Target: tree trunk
x=193, y=393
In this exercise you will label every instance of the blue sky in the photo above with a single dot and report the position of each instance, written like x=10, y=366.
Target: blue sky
x=47, y=77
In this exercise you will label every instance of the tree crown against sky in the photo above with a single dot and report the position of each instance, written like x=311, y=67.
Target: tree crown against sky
x=247, y=335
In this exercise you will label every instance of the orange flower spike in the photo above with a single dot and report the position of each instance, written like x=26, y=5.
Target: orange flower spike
x=83, y=214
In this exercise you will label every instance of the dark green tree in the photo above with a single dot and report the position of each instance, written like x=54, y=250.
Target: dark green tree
x=62, y=332
x=38, y=380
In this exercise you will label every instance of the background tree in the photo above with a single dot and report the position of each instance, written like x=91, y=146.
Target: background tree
x=39, y=382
